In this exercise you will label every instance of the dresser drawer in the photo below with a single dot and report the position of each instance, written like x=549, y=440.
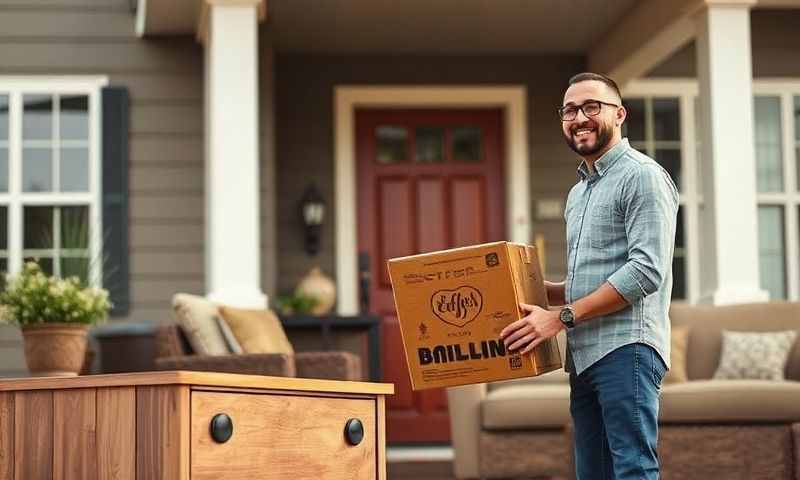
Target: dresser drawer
x=278, y=436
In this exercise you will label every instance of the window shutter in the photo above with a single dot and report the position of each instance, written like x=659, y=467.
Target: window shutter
x=116, y=268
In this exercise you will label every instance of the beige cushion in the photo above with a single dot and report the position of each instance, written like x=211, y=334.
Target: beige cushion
x=258, y=331
x=196, y=315
x=714, y=401
x=555, y=377
x=227, y=334
x=754, y=355
x=679, y=344
x=708, y=321
x=527, y=406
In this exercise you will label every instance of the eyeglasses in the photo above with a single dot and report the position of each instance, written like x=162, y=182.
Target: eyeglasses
x=590, y=108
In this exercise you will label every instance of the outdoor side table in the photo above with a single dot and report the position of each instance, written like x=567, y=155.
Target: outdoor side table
x=191, y=426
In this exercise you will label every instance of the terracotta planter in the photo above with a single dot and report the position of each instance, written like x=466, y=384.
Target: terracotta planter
x=55, y=349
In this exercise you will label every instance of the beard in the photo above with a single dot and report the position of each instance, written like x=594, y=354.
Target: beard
x=603, y=135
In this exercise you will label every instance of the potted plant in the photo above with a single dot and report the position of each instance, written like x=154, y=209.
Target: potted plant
x=54, y=315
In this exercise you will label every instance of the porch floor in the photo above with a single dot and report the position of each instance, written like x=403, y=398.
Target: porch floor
x=419, y=463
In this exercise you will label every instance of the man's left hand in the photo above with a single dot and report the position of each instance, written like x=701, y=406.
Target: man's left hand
x=531, y=330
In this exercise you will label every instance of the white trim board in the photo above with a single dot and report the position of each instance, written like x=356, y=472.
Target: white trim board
x=513, y=101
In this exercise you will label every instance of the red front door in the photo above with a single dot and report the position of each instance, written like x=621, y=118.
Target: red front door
x=427, y=180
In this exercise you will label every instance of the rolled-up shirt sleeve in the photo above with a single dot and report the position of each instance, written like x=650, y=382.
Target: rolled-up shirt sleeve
x=650, y=203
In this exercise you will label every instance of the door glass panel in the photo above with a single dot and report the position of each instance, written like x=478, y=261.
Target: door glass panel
x=391, y=144
x=467, y=144
x=430, y=144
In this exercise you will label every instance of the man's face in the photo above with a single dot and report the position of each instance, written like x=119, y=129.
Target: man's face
x=588, y=135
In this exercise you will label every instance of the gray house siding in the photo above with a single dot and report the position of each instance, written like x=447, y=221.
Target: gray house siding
x=165, y=79
x=94, y=37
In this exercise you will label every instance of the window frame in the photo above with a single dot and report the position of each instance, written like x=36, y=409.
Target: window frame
x=687, y=89
x=789, y=199
x=689, y=198
x=15, y=199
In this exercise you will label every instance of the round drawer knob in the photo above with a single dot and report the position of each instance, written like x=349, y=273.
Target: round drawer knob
x=354, y=431
x=221, y=428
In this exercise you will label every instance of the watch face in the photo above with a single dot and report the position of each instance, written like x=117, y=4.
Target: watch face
x=567, y=316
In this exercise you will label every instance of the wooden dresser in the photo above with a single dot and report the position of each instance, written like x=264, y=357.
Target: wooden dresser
x=191, y=425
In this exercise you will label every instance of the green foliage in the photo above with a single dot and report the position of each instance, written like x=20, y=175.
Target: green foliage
x=31, y=297
x=291, y=304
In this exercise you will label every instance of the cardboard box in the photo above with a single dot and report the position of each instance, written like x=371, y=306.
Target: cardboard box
x=452, y=306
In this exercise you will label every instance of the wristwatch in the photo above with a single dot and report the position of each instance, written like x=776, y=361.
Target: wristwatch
x=567, y=316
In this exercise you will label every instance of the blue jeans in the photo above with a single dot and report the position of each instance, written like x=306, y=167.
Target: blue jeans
x=614, y=406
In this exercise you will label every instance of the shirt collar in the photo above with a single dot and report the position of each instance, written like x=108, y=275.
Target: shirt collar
x=602, y=164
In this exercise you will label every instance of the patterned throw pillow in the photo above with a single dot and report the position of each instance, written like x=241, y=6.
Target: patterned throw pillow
x=754, y=355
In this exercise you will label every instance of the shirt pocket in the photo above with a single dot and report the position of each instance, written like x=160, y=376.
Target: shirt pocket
x=604, y=226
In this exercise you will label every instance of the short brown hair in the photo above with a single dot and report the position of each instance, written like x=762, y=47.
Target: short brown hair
x=587, y=76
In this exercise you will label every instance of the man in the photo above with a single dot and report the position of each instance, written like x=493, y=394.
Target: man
x=621, y=218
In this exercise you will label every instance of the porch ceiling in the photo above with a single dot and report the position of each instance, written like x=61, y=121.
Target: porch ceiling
x=441, y=26
x=411, y=26
x=418, y=26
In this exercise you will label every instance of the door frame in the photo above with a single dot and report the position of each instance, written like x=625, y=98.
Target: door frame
x=511, y=99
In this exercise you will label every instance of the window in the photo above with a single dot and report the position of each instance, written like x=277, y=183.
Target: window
x=654, y=127
x=777, y=137
x=50, y=175
x=662, y=116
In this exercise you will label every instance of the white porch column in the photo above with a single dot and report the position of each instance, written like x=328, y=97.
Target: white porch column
x=232, y=221
x=729, y=262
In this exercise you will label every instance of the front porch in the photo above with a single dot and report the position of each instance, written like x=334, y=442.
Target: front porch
x=239, y=105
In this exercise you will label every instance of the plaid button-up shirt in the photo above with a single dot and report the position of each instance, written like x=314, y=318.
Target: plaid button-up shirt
x=621, y=230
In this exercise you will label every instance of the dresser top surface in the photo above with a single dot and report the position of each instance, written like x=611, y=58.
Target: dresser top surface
x=191, y=378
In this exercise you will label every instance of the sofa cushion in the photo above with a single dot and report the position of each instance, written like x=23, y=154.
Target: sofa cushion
x=678, y=349
x=708, y=321
x=754, y=355
x=555, y=377
x=230, y=339
x=719, y=401
x=196, y=315
x=258, y=331
x=526, y=406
